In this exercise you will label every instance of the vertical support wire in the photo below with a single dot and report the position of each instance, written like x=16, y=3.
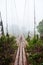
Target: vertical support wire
x=34, y=20
x=24, y=11
x=6, y=20
x=16, y=10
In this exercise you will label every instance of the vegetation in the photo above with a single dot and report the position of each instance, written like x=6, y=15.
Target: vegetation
x=40, y=29
x=34, y=51
x=7, y=48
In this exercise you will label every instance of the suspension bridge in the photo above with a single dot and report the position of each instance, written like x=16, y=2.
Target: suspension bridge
x=20, y=56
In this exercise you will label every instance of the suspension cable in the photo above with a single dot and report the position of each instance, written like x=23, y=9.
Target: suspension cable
x=6, y=20
x=24, y=11
x=34, y=20
x=16, y=10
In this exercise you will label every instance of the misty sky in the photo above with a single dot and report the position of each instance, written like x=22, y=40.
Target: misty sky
x=16, y=15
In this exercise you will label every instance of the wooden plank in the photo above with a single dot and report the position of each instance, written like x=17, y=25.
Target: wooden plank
x=17, y=56
x=20, y=58
x=24, y=58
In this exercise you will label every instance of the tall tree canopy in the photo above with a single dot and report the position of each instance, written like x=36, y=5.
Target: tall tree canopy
x=40, y=27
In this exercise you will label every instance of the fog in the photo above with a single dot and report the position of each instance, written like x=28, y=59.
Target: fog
x=20, y=18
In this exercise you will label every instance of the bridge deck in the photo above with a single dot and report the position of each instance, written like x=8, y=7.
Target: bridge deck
x=21, y=57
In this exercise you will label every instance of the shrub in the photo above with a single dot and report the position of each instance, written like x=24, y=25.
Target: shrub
x=7, y=47
x=35, y=51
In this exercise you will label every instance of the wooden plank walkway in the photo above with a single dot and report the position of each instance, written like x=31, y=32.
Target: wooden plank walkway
x=20, y=57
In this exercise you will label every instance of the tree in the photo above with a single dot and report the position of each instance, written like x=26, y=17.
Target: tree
x=40, y=28
x=28, y=37
x=1, y=24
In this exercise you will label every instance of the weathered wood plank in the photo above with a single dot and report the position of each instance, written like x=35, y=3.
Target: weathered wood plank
x=24, y=58
x=20, y=58
x=17, y=56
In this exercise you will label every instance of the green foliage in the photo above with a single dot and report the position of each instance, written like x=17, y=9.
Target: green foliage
x=28, y=38
x=35, y=51
x=36, y=58
x=40, y=27
x=7, y=47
